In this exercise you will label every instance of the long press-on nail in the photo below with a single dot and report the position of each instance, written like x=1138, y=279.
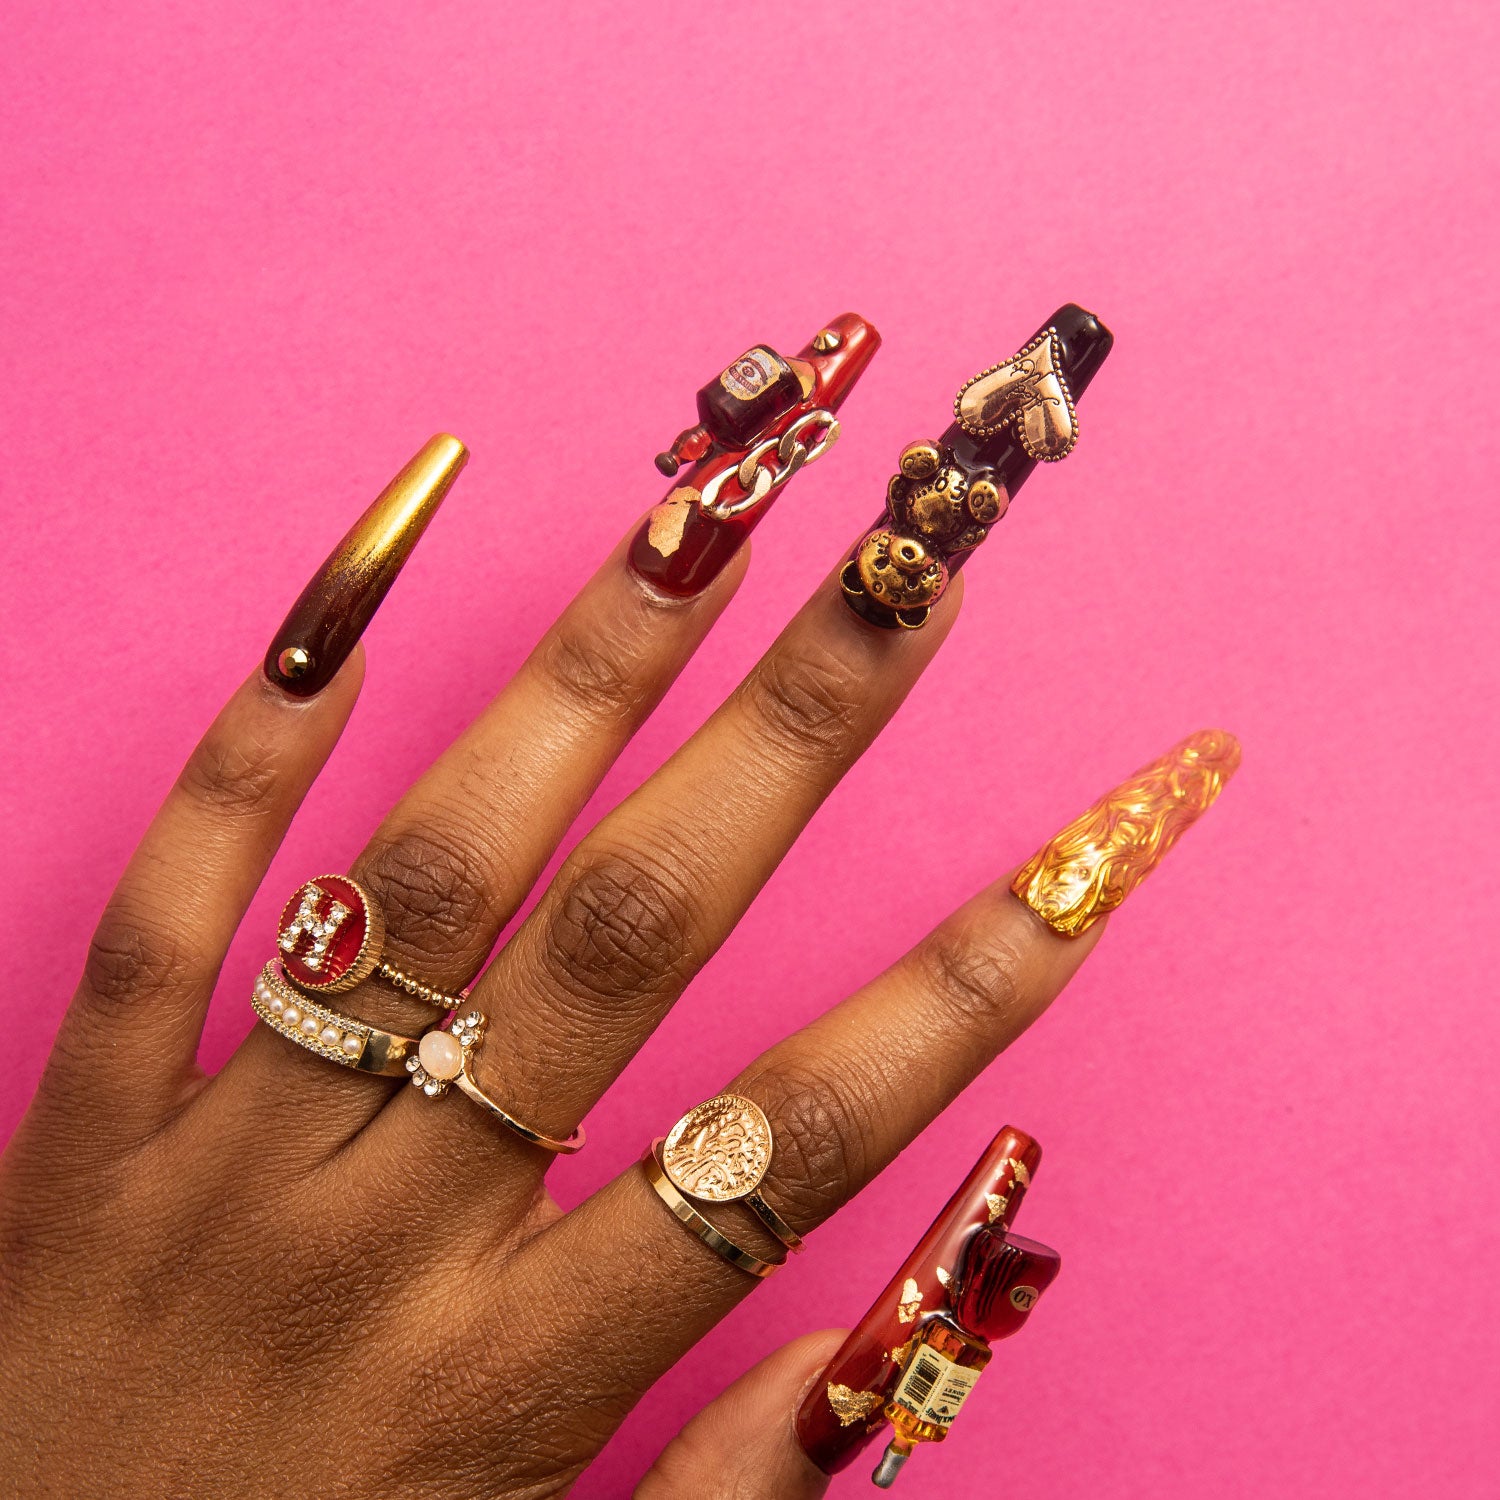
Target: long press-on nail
x=331, y=613
x=845, y=1407
x=949, y=492
x=759, y=421
x=1092, y=865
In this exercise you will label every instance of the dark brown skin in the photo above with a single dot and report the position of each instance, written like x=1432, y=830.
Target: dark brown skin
x=291, y=1278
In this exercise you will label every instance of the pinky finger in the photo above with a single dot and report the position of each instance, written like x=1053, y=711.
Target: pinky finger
x=126, y=1051
x=743, y=1445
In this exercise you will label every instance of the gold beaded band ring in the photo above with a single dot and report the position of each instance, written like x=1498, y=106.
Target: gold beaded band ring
x=445, y=1055
x=330, y=938
x=720, y=1152
x=721, y=1245
x=332, y=1036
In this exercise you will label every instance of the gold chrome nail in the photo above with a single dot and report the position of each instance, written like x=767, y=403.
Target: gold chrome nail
x=333, y=610
x=1092, y=865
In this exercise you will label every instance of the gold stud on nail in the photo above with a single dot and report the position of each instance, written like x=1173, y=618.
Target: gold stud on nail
x=827, y=341
x=294, y=662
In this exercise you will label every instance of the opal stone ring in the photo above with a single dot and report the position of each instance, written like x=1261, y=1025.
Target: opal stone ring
x=445, y=1055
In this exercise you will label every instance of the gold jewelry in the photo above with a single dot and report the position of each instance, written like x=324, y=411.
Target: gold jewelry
x=331, y=934
x=720, y=1153
x=334, y=1037
x=722, y=1246
x=446, y=1055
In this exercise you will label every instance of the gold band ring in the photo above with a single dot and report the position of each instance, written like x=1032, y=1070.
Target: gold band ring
x=330, y=938
x=721, y=1245
x=720, y=1152
x=446, y=1055
x=332, y=1036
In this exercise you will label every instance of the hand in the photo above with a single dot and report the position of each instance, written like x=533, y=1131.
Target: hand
x=293, y=1278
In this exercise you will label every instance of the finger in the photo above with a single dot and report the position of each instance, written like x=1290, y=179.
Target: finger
x=455, y=859
x=743, y=1445
x=848, y=1092
x=458, y=854
x=652, y=891
x=129, y=1041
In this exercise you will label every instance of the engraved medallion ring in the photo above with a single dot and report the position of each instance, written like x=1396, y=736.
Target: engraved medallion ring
x=330, y=939
x=720, y=1152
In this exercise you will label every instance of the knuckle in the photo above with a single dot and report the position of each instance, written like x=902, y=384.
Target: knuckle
x=433, y=888
x=622, y=929
x=131, y=961
x=820, y=1117
x=809, y=699
x=598, y=670
x=237, y=775
x=974, y=979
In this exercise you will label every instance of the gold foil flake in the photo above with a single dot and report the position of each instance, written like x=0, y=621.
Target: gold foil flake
x=899, y=1353
x=669, y=519
x=851, y=1406
x=943, y=1275
x=911, y=1301
x=997, y=1204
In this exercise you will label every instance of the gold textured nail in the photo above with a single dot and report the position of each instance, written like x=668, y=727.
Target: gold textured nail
x=1092, y=865
x=333, y=610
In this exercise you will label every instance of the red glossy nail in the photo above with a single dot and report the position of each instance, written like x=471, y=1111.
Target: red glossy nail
x=843, y=1411
x=759, y=421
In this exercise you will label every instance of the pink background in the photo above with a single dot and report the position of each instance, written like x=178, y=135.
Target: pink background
x=253, y=256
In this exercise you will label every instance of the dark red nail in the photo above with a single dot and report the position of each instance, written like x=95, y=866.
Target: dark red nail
x=949, y=493
x=759, y=421
x=842, y=1412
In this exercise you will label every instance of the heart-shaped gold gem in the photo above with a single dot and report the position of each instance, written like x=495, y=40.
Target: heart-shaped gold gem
x=1031, y=391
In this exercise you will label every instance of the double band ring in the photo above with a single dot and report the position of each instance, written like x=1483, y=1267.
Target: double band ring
x=445, y=1056
x=331, y=936
x=334, y=1037
x=719, y=1152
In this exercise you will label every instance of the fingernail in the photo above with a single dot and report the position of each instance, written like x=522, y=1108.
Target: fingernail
x=1092, y=865
x=949, y=493
x=759, y=422
x=843, y=1409
x=331, y=613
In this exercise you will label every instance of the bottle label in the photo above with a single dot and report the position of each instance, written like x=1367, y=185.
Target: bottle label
x=933, y=1389
x=750, y=374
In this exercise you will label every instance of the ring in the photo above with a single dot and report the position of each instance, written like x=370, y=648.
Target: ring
x=330, y=936
x=720, y=1152
x=337, y=1038
x=720, y=1244
x=446, y=1055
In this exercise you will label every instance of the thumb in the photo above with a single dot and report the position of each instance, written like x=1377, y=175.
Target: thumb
x=743, y=1445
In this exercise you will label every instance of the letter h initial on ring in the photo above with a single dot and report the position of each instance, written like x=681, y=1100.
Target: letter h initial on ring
x=307, y=923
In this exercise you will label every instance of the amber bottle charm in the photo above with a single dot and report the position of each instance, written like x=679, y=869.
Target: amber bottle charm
x=759, y=421
x=994, y=1288
x=947, y=494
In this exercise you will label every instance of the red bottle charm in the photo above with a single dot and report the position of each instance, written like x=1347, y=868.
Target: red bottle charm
x=759, y=421
x=330, y=935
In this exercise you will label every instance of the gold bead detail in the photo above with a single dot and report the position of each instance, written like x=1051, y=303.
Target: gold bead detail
x=827, y=341
x=920, y=460
x=294, y=662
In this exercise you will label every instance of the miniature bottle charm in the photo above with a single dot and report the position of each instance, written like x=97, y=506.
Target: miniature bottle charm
x=997, y=1283
x=759, y=422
